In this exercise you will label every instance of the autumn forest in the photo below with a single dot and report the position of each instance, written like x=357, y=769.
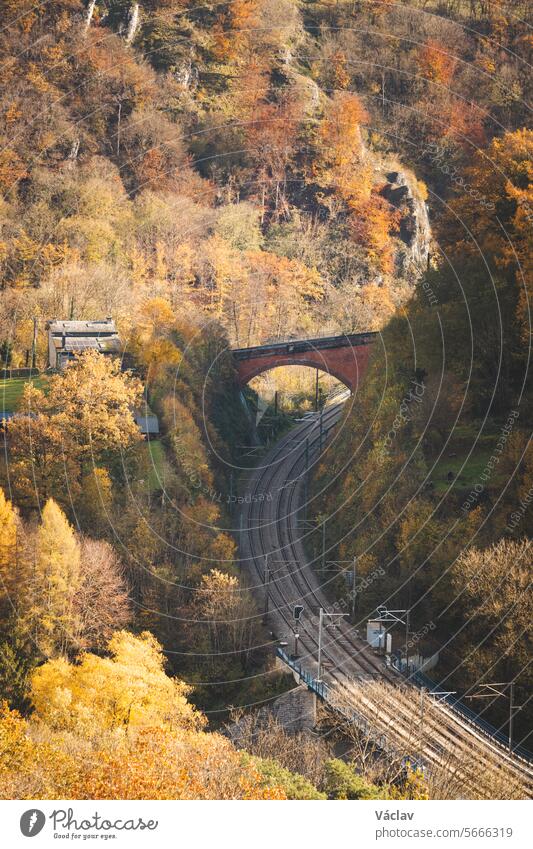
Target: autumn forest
x=217, y=176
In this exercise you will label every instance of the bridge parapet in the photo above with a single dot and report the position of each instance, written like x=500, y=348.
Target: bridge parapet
x=344, y=357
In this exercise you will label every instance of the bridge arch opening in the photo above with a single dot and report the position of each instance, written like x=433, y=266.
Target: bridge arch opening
x=295, y=388
x=300, y=370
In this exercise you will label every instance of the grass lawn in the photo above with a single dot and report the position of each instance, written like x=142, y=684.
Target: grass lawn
x=469, y=475
x=454, y=457
x=11, y=390
x=157, y=464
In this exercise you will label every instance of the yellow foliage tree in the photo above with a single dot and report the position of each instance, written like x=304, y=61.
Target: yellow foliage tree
x=228, y=610
x=44, y=457
x=9, y=527
x=37, y=762
x=54, y=582
x=92, y=404
x=338, y=164
x=151, y=337
x=128, y=689
x=30, y=769
x=95, y=503
x=162, y=765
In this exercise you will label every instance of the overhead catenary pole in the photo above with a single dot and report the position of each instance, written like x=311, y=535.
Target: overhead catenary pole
x=266, y=583
x=321, y=615
x=493, y=691
x=354, y=589
x=407, y=617
x=386, y=615
x=324, y=544
x=34, y=344
x=352, y=584
x=440, y=695
x=306, y=477
x=511, y=715
x=320, y=623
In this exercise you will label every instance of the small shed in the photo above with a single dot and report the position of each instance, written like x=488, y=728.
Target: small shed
x=148, y=424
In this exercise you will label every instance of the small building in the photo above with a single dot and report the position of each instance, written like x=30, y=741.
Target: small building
x=68, y=338
x=148, y=424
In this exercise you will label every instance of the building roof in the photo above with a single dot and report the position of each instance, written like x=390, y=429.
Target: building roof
x=106, y=344
x=147, y=424
x=73, y=337
x=85, y=328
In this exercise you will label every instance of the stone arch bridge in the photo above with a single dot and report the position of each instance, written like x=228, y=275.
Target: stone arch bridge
x=344, y=357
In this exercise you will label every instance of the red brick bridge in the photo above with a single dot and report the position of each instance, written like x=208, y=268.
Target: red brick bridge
x=344, y=357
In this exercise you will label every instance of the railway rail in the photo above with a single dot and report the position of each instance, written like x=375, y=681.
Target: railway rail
x=359, y=683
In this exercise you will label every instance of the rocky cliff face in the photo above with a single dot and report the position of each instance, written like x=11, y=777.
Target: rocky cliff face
x=403, y=192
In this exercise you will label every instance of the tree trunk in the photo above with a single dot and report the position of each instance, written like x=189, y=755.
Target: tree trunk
x=118, y=126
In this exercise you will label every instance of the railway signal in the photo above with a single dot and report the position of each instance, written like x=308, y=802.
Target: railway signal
x=297, y=612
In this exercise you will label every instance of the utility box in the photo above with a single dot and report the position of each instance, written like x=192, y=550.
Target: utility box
x=375, y=635
x=395, y=641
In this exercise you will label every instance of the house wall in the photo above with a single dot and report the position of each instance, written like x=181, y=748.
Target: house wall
x=52, y=360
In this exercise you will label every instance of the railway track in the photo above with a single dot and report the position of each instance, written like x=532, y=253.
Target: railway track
x=358, y=678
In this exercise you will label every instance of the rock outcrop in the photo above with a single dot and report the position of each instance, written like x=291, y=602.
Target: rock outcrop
x=403, y=192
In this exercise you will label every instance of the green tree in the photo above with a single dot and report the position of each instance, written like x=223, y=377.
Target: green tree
x=342, y=782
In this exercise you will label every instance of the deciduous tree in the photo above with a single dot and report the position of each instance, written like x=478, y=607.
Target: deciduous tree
x=101, y=604
x=51, y=615
x=127, y=689
x=9, y=532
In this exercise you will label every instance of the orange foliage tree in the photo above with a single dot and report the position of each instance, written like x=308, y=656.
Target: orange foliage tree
x=436, y=63
x=342, y=167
